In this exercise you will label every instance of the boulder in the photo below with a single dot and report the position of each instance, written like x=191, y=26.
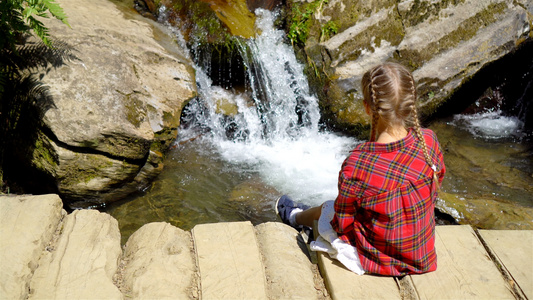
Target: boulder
x=444, y=44
x=115, y=107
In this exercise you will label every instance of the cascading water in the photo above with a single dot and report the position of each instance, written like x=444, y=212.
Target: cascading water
x=274, y=127
x=238, y=149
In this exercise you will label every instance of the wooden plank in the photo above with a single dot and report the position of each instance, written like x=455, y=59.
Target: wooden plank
x=514, y=250
x=345, y=284
x=465, y=270
x=229, y=261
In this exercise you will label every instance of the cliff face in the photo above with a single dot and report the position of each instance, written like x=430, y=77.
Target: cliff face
x=444, y=43
x=115, y=107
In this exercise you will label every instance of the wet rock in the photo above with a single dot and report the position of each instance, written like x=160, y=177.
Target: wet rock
x=486, y=213
x=159, y=263
x=444, y=43
x=116, y=107
x=488, y=183
x=27, y=225
x=236, y=16
x=146, y=8
x=83, y=260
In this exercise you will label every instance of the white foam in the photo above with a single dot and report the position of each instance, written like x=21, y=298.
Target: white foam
x=490, y=124
x=306, y=168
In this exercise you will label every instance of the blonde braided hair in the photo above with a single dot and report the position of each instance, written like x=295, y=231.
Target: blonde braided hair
x=389, y=90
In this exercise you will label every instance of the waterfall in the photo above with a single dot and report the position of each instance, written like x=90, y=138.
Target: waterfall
x=273, y=126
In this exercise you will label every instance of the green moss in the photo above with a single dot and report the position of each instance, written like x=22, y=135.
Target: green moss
x=44, y=157
x=163, y=139
x=135, y=112
x=86, y=168
x=420, y=11
x=197, y=21
x=169, y=117
x=465, y=31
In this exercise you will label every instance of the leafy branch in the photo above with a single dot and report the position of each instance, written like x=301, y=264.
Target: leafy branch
x=18, y=17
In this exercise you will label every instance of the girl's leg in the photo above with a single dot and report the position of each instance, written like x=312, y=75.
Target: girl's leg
x=308, y=216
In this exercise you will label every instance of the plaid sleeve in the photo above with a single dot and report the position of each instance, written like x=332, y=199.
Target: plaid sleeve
x=344, y=204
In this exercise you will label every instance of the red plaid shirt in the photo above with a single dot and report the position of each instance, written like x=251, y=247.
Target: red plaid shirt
x=385, y=208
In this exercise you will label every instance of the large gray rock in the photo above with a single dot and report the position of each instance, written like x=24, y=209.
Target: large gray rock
x=27, y=225
x=115, y=108
x=444, y=43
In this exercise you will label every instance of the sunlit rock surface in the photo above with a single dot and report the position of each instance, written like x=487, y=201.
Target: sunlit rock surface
x=27, y=225
x=235, y=14
x=115, y=109
x=444, y=43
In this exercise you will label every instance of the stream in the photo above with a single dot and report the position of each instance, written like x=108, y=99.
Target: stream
x=238, y=151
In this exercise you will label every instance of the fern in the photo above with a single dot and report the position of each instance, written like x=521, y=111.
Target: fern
x=19, y=87
x=41, y=8
x=56, y=11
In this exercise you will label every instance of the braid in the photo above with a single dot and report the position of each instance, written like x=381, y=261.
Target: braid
x=374, y=132
x=375, y=116
x=389, y=90
x=418, y=131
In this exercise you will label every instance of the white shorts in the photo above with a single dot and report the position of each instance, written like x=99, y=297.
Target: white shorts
x=328, y=241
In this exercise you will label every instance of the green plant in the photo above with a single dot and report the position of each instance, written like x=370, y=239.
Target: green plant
x=300, y=22
x=22, y=95
x=328, y=30
x=299, y=25
x=20, y=16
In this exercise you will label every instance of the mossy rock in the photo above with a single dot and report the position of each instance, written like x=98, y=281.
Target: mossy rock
x=486, y=213
x=444, y=43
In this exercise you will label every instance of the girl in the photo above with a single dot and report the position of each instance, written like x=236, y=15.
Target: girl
x=382, y=221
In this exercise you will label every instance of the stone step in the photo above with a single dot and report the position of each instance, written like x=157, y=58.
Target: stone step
x=159, y=263
x=513, y=251
x=27, y=224
x=290, y=274
x=465, y=270
x=229, y=261
x=344, y=284
x=79, y=256
x=82, y=262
